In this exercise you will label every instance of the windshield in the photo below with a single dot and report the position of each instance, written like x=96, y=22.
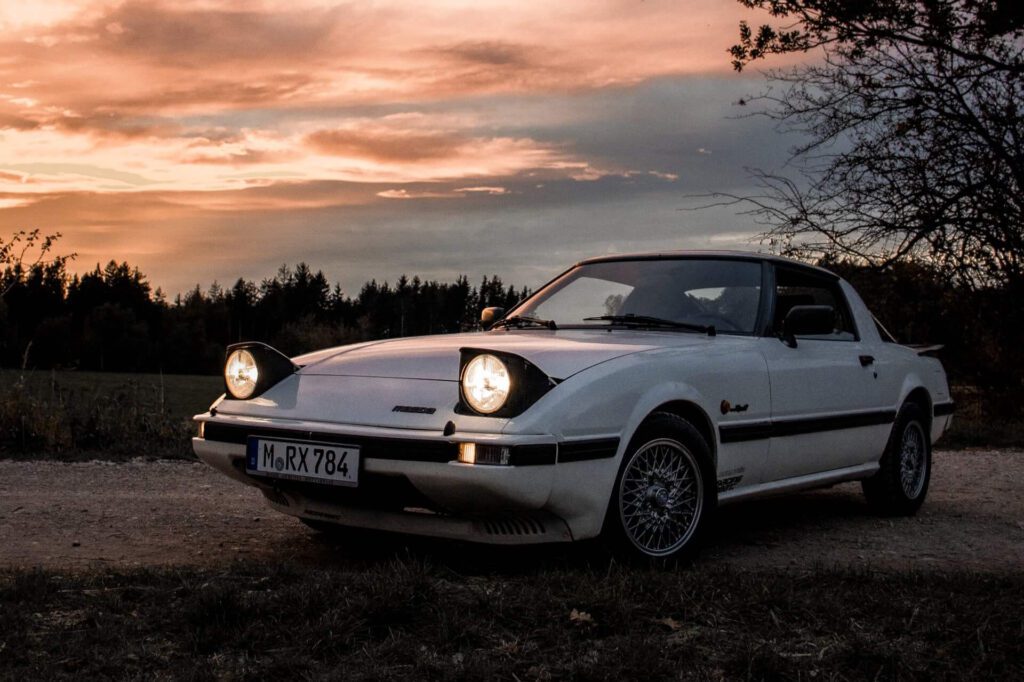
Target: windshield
x=724, y=294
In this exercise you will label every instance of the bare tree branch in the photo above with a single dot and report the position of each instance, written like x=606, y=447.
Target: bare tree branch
x=912, y=134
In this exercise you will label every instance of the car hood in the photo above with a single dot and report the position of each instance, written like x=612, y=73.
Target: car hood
x=559, y=354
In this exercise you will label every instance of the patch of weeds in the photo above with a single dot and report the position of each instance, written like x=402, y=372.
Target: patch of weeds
x=113, y=421
x=406, y=619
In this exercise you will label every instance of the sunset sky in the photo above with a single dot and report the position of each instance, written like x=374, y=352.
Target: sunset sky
x=205, y=140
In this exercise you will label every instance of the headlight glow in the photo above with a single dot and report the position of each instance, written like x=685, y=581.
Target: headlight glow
x=241, y=374
x=486, y=383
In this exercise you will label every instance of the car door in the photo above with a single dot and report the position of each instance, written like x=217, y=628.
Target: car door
x=826, y=399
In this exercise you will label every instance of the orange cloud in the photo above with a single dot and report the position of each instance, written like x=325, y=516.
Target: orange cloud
x=116, y=116
x=385, y=145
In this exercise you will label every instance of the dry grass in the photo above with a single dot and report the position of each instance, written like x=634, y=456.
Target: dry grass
x=405, y=619
x=72, y=415
x=95, y=415
x=985, y=418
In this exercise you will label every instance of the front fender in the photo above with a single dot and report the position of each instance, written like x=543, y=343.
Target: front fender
x=612, y=399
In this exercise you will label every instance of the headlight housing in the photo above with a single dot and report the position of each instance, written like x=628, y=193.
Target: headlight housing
x=499, y=384
x=486, y=383
x=241, y=374
x=252, y=368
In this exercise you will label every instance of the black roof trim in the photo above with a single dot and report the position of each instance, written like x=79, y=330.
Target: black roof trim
x=710, y=255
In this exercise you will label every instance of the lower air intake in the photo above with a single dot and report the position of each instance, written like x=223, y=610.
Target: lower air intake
x=513, y=526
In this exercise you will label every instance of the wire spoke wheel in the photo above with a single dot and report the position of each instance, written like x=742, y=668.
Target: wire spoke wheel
x=661, y=497
x=900, y=485
x=913, y=460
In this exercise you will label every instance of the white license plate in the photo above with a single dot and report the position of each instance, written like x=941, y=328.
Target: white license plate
x=303, y=461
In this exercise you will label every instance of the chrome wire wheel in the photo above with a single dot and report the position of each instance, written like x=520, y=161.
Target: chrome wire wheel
x=661, y=497
x=913, y=461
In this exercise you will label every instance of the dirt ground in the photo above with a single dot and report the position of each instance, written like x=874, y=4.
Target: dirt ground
x=92, y=515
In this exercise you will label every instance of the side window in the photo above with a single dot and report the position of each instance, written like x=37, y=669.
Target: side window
x=793, y=288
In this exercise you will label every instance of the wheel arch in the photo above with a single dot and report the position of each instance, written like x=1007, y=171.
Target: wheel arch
x=692, y=413
x=922, y=397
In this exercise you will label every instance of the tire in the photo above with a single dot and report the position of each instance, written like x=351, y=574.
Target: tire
x=905, y=470
x=664, y=494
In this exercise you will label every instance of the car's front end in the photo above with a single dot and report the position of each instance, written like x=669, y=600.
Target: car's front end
x=428, y=436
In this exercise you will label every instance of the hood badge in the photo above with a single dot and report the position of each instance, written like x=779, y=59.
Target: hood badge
x=414, y=409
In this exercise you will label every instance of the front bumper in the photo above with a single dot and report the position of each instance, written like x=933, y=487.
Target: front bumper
x=410, y=481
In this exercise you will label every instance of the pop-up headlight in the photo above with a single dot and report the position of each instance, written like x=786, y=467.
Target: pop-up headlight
x=241, y=374
x=486, y=383
x=498, y=384
x=252, y=368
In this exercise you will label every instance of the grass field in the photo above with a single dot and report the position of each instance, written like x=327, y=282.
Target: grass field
x=85, y=415
x=404, y=619
x=182, y=395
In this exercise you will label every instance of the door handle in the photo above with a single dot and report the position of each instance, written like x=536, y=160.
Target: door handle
x=866, y=360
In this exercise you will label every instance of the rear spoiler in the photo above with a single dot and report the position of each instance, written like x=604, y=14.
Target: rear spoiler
x=925, y=349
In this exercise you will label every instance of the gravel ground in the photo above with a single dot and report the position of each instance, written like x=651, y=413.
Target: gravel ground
x=164, y=513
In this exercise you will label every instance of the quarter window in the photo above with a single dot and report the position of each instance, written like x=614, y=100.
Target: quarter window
x=793, y=288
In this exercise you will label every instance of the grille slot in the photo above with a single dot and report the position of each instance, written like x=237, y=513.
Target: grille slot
x=514, y=526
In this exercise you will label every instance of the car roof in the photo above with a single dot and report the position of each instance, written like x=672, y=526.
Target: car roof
x=696, y=253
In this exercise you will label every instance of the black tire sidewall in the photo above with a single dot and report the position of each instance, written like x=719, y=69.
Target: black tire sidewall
x=669, y=426
x=885, y=489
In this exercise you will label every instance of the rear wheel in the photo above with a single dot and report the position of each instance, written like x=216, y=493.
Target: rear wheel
x=664, y=493
x=901, y=483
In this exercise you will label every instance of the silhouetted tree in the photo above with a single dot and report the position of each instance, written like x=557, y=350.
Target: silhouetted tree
x=914, y=138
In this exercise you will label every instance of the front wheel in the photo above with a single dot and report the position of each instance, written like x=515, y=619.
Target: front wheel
x=664, y=495
x=901, y=483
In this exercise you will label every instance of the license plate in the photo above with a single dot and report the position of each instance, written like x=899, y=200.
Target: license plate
x=303, y=460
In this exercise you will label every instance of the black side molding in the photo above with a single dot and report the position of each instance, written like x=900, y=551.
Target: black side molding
x=943, y=409
x=584, y=450
x=730, y=433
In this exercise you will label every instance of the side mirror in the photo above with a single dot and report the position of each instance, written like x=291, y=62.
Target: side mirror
x=488, y=316
x=808, y=320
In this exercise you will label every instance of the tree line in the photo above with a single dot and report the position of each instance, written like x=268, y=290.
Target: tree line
x=110, y=319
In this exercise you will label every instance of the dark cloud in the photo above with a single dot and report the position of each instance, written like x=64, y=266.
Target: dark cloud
x=116, y=124
x=197, y=36
x=385, y=145
x=17, y=122
x=488, y=52
x=265, y=90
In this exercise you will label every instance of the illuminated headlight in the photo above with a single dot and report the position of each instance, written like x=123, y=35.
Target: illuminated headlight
x=486, y=383
x=241, y=374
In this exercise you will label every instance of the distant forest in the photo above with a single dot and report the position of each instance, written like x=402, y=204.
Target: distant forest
x=111, y=319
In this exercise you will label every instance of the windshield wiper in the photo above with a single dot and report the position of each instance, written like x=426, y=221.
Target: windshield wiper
x=520, y=321
x=631, y=320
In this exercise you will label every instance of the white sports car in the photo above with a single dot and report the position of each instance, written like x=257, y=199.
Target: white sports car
x=627, y=398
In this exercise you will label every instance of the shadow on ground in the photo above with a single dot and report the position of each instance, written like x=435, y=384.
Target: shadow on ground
x=784, y=525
